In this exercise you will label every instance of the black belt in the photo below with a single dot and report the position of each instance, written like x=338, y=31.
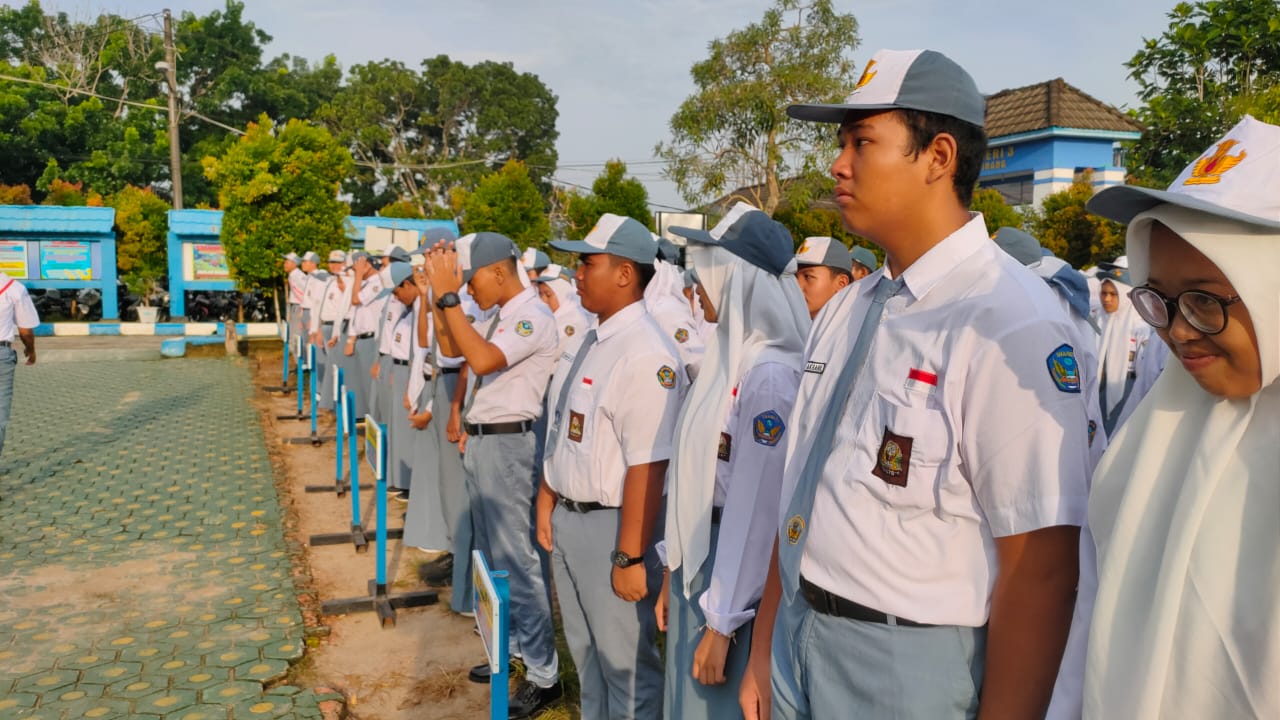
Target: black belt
x=364, y=336
x=583, y=507
x=9, y=344
x=715, y=514
x=829, y=603
x=450, y=371
x=503, y=428
x=398, y=361
x=328, y=323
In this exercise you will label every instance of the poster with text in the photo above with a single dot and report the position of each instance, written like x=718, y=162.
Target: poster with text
x=65, y=260
x=209, y=262
x=13, y=258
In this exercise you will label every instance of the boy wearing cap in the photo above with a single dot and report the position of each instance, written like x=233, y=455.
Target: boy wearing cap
x=360, y=344
x=311, y=287
x=511, y=356
x=824, y=269
x=612, y=407
x=331, y=306
x=864, y=262
x=938, y=466
x=296, y=280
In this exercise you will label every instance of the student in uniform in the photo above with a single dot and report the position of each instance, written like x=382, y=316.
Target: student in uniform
x=326, y=320
x=560, y=295
x=612, y=410
x=535, y=262
x=296, y=280
x=938, y=456
x=665, y=303
x=389, y=312
x=311, y=288
x=864, y=262
x=400, y=433
x=511, y=356
x=1185, y=600
x=726, y=476
x=825, y=268
x=1129, y=368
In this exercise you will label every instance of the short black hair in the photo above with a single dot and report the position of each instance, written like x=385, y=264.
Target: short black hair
x=837, y=272
x=971, y=145
x=644, y=271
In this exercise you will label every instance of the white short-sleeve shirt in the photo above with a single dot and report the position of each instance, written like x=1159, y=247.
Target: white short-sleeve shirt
x=966, y=424
x=621, y=410
x=16, y=308
x=297, y=284
x=366, y=313
x=526, y=335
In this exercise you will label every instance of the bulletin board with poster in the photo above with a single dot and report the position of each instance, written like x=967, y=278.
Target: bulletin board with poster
x=377, y=240
x=65, y=260
x=13, y=258
x=208, y=262
x=668, y=220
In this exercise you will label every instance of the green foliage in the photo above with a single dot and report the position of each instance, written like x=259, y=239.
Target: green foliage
x=508, y=202
x=1217, y=60
x=278, y=190
x=401, y=209
x=733, y=132
x=142, y=222
x=995, y=210
x=1072, y=233
x=611, y=192
x=63, y=193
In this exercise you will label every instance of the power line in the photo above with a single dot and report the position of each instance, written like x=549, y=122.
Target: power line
x=78, y=91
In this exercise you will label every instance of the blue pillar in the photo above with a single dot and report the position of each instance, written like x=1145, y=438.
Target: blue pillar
x=177, y=284
x=110, y=308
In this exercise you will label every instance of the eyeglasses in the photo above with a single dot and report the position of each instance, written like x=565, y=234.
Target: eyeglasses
x=1203, y=311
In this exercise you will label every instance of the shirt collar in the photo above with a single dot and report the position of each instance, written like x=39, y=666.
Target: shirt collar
x=944, y=257
x=620, y=320
x=520, y=299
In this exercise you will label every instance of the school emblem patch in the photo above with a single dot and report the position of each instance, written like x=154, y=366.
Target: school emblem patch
x=726, y=447
x=576, y=421
x=893, y=462
x=666, y=377
x=524, y=328
x=768, y=428
x=795, y=528
x=568, y=330
x=682, y=335
x=1208, y=170
x=1063, y=369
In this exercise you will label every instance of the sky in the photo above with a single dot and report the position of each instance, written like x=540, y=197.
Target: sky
x=621, y=67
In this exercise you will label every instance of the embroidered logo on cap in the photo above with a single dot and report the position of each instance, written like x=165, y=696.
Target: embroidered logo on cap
x=666, y=377
x=524, y=328
x=867, y=75
x=795, y=528
x=893, y=462
x=804, y=248
x=1063, y=369
x=1208, y=170
x=568, y=330
x=682, y=335
x=726, y=447
x=768, y=428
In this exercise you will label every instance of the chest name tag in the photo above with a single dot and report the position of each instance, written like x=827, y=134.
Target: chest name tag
x=893, y=461
x=726, y=447
x=815, y=367
x=576, y=421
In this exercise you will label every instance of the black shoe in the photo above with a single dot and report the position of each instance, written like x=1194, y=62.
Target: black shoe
x=480, y=674
x=529, y=699
x=437, y=572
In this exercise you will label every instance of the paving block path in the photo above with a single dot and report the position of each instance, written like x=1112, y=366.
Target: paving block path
x=143, y=571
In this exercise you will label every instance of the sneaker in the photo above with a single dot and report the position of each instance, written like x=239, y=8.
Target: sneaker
x=400, y=496
x=529, y=699
x=470, y=615
x=438, y=571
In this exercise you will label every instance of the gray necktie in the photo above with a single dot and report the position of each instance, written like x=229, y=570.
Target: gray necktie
x=475, y=389
x=554, y=435
x=795, y=529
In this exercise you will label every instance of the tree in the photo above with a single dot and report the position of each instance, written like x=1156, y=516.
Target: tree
x=401, y=209
x=1217, y=60
x=733, y=131
x=278, y=189
x=995, y=210
x=509, y=203
x=611, y=192
x=142, y=221
x=1072, y=233
x=15, y=195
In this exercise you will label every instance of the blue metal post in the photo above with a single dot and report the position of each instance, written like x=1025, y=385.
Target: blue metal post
x=339, y=429
x=381, y=479
x=499, y=680
x=284, y=351
x=352, y=462
x=311, y=359
x=303, y=370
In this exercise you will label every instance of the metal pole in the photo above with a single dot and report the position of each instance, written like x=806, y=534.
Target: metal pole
x=171, y=73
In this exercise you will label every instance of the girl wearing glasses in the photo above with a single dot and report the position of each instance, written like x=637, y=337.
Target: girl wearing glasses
x=1179, y=606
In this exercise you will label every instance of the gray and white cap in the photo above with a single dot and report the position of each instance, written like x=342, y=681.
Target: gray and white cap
x=616, y=235
x=483, y=249
x=924, y=80
x=749, y=233
x=310, y=257
x=824, y=252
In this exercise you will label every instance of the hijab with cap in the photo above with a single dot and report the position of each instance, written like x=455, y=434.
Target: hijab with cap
x=762, y=318
x=1186, y=621
x=1123, y=331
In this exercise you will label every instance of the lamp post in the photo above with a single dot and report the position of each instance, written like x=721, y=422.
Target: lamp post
x=170, y=67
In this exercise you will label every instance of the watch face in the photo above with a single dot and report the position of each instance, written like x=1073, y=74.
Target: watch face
x=620, y=559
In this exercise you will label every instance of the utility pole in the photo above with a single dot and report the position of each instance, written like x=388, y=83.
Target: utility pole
x=171, y=76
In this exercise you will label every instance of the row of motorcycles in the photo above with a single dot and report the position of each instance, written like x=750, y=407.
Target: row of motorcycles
x=85, y=304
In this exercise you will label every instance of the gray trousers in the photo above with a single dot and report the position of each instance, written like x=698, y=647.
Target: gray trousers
x=424, y=522
x=401, y=434
x=340, y=359
x=613, y=642
x=685, y=697
x=325, y=360
x=380, y=390
x=455, y=503
x=358, y=379
x=501, y=484
x=826, y=667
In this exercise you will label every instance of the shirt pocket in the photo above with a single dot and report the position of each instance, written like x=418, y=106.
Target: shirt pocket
x=911, y=449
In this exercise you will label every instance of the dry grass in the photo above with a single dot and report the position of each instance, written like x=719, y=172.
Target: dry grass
x=443, y=685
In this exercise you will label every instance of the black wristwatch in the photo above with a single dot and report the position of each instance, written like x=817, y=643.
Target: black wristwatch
x=623, y=560
x=448, y=300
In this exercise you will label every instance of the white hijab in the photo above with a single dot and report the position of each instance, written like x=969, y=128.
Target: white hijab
x=1184, y=513
x=1113, y=346
x=762, y=318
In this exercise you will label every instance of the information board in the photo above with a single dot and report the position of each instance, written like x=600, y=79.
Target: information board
x=65, y=260
x=13, y=258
